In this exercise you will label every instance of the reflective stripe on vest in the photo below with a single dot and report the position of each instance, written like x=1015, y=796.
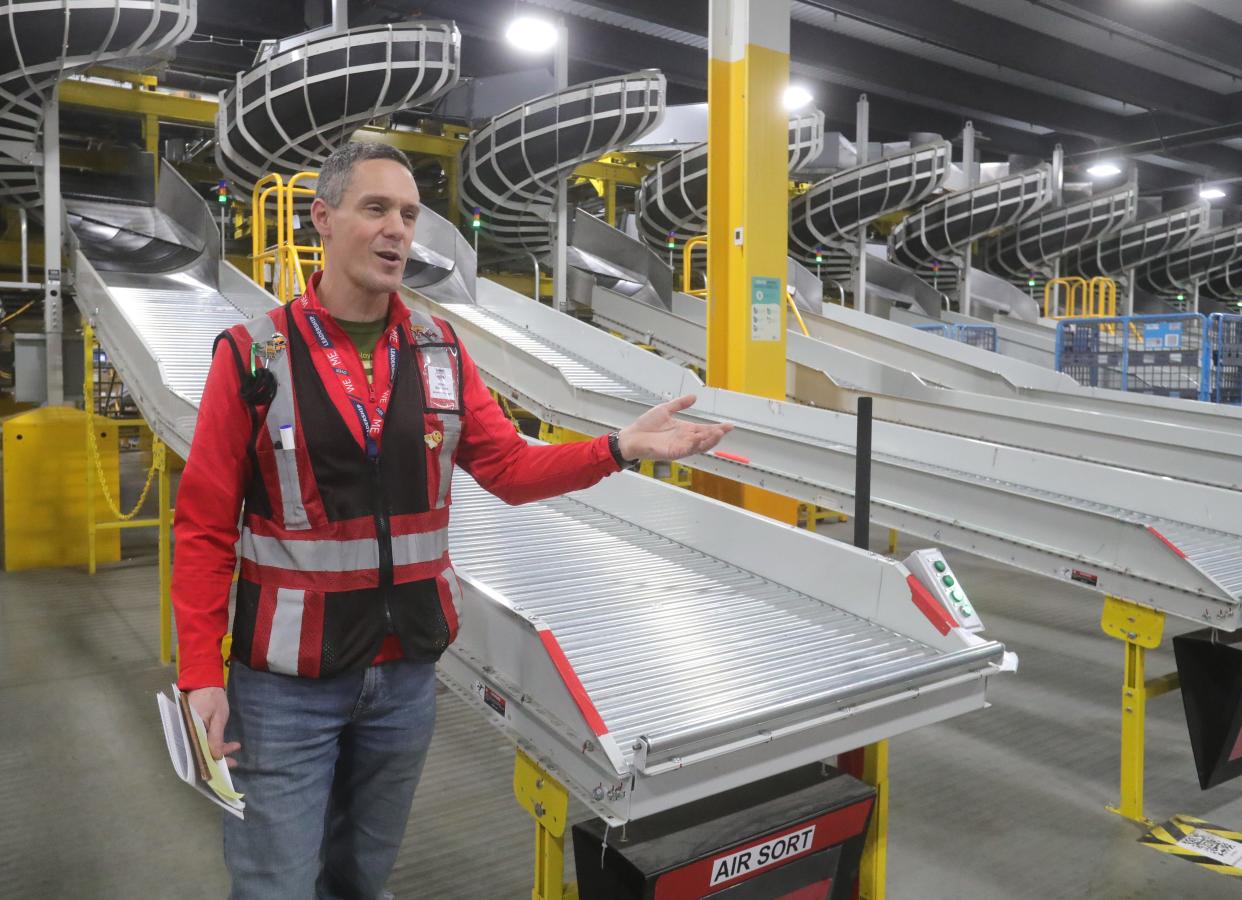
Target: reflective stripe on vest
x=285, y=643
x=427, y=330
x=280, y=413
x=325, y=555
x=450, y=425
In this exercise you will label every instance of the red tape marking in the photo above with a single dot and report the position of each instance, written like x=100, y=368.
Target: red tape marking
x=732, y=457
x=929, y=606
x=570, y=677
x=1168, y=543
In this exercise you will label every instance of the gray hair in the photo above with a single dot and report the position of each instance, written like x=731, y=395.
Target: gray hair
x=336, y=169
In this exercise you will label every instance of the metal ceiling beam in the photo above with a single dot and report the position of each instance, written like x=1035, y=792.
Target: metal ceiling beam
x=981, y=36
x=1183, y=29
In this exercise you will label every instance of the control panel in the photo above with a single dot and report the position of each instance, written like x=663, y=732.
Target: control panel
x=934, y=573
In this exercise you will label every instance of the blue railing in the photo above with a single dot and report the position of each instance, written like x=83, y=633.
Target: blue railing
x=1167, y=355
x=1225, y=342
x=983, y=336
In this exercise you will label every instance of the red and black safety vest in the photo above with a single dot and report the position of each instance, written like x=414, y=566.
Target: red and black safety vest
x=345, y=522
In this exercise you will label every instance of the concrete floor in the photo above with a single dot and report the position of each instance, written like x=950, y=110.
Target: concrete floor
x=1004, y=802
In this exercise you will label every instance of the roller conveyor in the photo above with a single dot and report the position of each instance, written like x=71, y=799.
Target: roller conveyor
x=832, y=377
x=1000, y=502
x=677, y=656
x=157, y=319
x=648, y=645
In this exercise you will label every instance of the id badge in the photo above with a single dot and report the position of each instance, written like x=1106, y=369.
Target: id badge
x=441, y=384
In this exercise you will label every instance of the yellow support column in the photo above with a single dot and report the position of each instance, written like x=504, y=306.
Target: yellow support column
x=874, y=863
x=160, y=453
x=1141, y=629
x=547, y=801
x=747, y=215
x=88, y=402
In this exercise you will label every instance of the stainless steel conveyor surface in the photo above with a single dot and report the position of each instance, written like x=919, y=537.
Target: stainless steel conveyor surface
x=607, y=631
x=833, y=377
x=664, y=637
x=1115, y=533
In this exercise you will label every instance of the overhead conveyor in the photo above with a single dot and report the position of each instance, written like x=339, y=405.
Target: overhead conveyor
x=307, y=95
x=1223, y=284
x=1181, y=270
x=832, y=377
x=634, y=638
x=833, y=209
x=42, y=43
x=672, y=200
x=1137, y=244
x=940, y=228
x=1174, y=546
x=511, y=166
x=1035, y=243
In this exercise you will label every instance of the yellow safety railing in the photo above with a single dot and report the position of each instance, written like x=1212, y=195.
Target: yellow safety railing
x=285, y=259
x=793, y=308
x=691, y=246
x=157, y=474
x=1084, y=299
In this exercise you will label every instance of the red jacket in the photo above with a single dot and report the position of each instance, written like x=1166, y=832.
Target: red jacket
x=218, y=473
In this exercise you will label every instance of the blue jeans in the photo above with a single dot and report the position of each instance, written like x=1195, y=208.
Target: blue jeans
x=328, y=767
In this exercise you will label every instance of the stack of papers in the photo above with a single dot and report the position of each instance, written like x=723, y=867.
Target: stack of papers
x=186, y=737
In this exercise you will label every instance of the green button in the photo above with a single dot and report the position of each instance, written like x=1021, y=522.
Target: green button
x=958, y=597
x=940, y=566
x=948, y=581
x=967, y=611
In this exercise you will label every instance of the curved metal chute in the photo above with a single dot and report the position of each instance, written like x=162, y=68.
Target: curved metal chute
x=831, y=212
x=1039, y=241
x=295, y=107
x=1177, y=272
x=42, y=43
x=942, y=227
x=1137, y=244
x=512, y=166
x=1223, y=284
x=673, y=199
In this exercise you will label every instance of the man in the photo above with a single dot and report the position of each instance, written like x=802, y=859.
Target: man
x=332, y=426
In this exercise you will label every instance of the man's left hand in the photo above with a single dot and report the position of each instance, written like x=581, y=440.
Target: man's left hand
x=657, y=435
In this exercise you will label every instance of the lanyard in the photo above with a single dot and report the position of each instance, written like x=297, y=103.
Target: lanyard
x=372, y=427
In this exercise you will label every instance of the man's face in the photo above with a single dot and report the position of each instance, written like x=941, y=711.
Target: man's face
x=368, y=236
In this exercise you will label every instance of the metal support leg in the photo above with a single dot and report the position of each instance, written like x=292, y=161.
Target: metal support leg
x=160, y=452
x=88, y=403
x=547, y=801
x=871, y=873
x=1141, y=629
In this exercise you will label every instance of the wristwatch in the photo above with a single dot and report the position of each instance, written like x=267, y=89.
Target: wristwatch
x=614, y=447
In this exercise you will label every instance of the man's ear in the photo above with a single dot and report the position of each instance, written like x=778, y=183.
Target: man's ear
x=320, y=217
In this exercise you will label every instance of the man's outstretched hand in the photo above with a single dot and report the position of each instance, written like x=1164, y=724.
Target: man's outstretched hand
x=657, y=435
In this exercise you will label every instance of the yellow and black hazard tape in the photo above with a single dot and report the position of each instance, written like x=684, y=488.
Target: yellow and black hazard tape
x=1202, y=843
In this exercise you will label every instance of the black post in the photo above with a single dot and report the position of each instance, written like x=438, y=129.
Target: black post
x=862, y=476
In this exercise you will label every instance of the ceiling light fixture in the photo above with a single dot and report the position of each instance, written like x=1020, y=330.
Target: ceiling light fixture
x=531, y=35
x=1211, y=193
x=796, y=97
x=1104, y=170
